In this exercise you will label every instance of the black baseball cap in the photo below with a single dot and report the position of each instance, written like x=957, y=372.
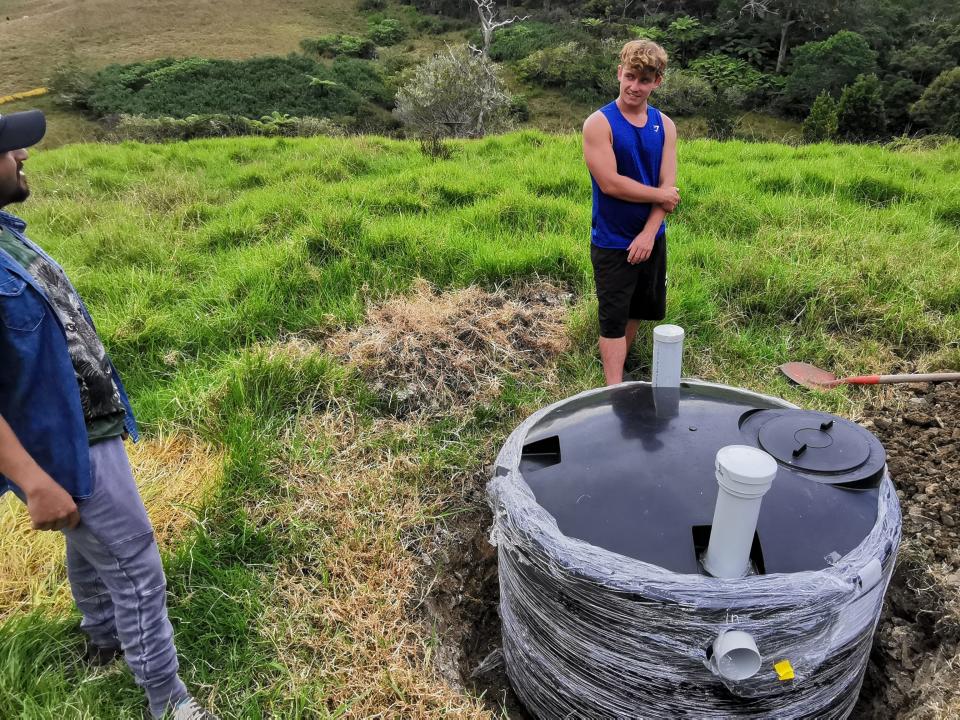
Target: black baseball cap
x=21, y=129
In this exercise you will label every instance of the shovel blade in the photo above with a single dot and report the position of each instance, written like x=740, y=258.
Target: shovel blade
x=809, y=375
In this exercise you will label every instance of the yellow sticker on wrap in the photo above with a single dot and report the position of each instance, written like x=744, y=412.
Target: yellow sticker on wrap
x=784, y=670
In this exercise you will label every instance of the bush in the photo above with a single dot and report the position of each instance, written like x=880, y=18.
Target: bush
x=683, y=93
x=828, y=65
x=371, y=5
x=331, y=46
x=723, y=113
x=860, y=113
x=586, y=68
x=939, y=106
x=296, y=85
x=141, y=129
x=387, y=31
x=70, y=86
x=821, y=123
x=899, y=94
x=454, y=94
x=723, y=71
x=517, y=41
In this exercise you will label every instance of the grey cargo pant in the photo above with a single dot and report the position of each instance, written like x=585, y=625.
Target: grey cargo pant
x=117, y=579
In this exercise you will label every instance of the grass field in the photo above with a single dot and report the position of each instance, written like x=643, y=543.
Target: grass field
x=225, y=275
x=39, y=35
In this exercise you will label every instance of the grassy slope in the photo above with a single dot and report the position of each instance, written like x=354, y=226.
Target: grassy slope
x=198, y=258
x=40, y=35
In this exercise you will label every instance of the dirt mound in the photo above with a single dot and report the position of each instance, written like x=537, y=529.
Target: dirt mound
x=435, y=353
x=914, y=669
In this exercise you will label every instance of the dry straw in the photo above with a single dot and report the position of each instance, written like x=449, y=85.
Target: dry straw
x=433, y=354
x=174, y=473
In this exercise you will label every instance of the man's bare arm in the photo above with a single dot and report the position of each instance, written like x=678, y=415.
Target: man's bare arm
x=50, y=506
x=642, y=245
x=602, y=162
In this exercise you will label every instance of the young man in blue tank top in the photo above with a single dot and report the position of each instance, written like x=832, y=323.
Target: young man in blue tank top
x=630, y=148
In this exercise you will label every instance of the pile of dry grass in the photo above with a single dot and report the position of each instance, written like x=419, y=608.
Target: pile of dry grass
x=339, y=614
x=173, y=472
x=434, y=353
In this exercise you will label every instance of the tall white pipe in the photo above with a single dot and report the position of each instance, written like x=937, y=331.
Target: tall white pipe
x=744, y=474
x=667, y=355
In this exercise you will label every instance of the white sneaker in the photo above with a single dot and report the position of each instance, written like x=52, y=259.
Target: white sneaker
x=189, y=709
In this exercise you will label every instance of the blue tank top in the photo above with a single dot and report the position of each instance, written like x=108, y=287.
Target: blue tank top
x=639, y=152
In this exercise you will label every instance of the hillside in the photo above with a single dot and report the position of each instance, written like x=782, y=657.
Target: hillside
x=38, y=36
x=327, y=340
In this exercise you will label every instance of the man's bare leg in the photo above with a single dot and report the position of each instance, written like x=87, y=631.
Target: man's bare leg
x=613, y=353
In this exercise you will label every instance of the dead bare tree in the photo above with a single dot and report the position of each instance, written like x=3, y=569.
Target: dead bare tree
x=490, y=20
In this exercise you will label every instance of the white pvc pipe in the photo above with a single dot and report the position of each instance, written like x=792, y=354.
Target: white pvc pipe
x=667, y=355
x=744, y=474
x=735, y=655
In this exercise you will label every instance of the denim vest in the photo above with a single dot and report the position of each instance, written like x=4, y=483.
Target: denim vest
x=39, y=397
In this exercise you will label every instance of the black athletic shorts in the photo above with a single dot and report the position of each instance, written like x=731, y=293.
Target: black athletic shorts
x=625, y=291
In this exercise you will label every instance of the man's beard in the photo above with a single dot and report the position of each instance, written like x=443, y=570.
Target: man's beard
x=18, y=194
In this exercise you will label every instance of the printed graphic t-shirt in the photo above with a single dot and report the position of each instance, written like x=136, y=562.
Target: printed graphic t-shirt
x=103, y=411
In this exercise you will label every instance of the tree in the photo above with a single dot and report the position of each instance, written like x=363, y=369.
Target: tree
x=939, y=106
x=821, y=123
x=457, y=93
x=827, y=65
x=861, y=116
x=818, y=13
x=490, y=20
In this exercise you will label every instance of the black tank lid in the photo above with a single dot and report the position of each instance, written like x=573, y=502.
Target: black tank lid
x=631, y=470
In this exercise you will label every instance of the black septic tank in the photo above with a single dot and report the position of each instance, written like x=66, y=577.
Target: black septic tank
x=604, y=508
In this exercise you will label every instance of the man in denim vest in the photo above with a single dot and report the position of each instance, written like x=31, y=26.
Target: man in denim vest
x=63, y=417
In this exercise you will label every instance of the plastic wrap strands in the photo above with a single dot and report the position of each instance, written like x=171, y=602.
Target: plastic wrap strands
x=589, y=633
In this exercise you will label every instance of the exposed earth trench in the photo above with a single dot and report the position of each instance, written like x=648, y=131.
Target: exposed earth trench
x=914, y=668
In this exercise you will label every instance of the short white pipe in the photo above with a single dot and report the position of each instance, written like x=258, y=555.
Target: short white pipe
x=667, y=355
x=744, y=474
x=735, y=655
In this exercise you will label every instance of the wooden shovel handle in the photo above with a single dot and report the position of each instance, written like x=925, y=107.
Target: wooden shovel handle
x=888, y=379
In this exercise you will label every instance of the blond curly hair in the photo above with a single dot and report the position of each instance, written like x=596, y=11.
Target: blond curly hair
x=644, y=56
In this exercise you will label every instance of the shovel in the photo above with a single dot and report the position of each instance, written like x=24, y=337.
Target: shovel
x=813, y=377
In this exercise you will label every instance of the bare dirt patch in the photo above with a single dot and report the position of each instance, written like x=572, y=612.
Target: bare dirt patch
x=433, y=354
x=914, y=670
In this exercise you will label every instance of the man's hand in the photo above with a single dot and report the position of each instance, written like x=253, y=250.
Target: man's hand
x=49, y=505
x=670, y=198
x=640, y=248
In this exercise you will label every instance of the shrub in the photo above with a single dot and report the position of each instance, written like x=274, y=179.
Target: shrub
x=723, y=71
x=860, y=113
x=519, y=40
x=70, y=85
x=828, y=65
x=387, y=31
x=723, y=113
x=141, y=129
x=454, y=94
x=331, y=46
x=939, y=106
x=821, y=123
x=587, y=68
x=899, y=94
x=295, y=85
x=371, y=5
x=683, y=93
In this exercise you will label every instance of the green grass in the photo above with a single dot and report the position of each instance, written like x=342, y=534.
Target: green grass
x=196, y=258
